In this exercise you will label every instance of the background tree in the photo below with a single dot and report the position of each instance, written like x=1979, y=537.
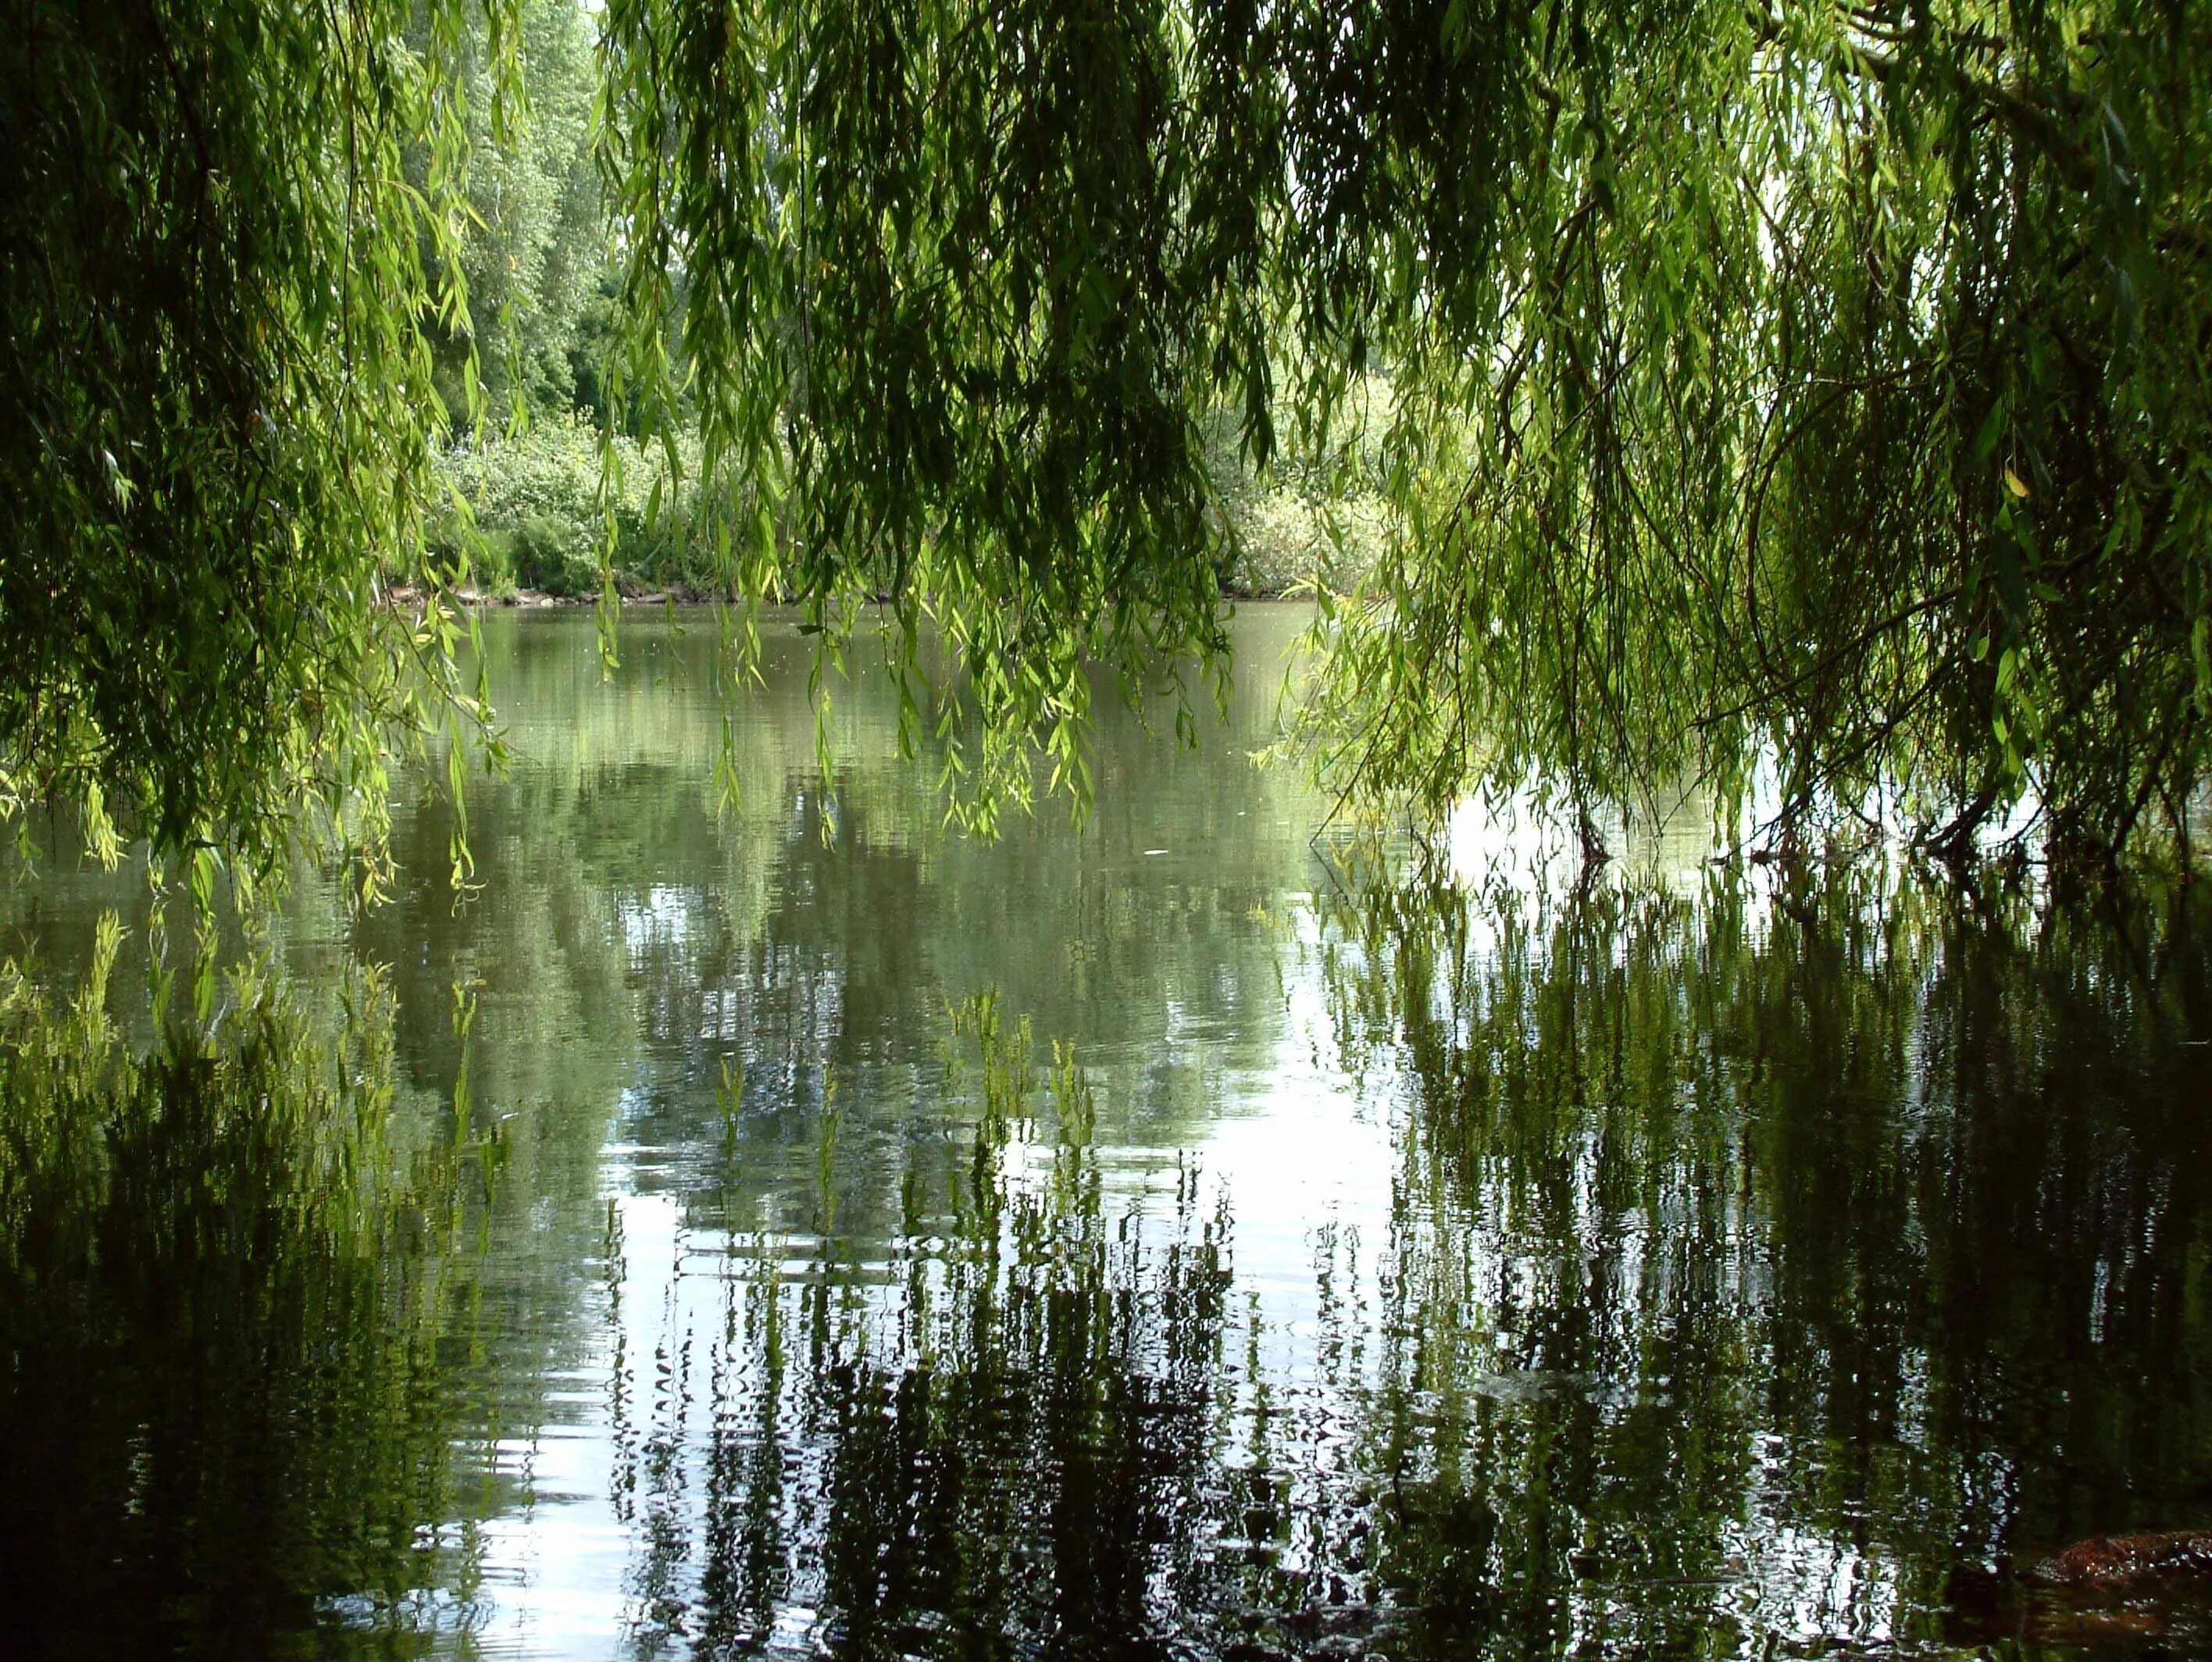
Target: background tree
x=534, y=245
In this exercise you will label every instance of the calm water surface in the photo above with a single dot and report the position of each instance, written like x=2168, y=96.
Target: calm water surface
x=800, y=1230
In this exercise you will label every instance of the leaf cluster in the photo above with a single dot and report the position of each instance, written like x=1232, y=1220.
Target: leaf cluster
x=1809, y=395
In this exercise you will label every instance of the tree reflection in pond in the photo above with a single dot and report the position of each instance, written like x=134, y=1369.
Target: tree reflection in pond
x=1621, y=1271
x=236, y=1312
x=994, y=1432
x=1753, y=1264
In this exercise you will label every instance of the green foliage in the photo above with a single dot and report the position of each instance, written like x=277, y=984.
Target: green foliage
x=551, y=469
x=545, y=487
x=950, y=327
x=1315, y=519
x=1815, y=392
x=1825, y=387
x=551, y=557
x=1822, y=388
x=221, y=395
x=535, y=241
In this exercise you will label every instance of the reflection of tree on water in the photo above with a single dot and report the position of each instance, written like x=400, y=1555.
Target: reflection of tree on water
x=1749, y=1270
x=1756, y=1271
x=633, y=937
x=997, y=1432
x=234, y=1313
x=1734, y=1265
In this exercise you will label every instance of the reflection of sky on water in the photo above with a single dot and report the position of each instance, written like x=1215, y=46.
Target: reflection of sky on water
x=1302, y=1159
x=661, y=917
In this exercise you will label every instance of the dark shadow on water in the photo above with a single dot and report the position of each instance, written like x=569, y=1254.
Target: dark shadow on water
x=232, y=1314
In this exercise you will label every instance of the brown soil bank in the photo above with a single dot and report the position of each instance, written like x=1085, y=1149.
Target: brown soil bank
x=2118, y=1561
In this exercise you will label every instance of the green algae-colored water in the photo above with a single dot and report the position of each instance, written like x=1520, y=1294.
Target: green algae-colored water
x=800, y=1230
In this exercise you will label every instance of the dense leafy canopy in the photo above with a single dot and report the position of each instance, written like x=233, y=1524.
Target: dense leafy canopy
x=1834, y=393
x=220, y=389
x=1813, y=396
x=1825, y=388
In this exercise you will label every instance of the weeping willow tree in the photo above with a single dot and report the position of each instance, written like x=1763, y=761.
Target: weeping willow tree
x=1824, y=389
x=1813, y=395
x=216, y=338
x=1821, y=391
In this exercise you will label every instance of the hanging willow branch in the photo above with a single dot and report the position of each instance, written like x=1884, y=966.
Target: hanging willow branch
x=216, y=460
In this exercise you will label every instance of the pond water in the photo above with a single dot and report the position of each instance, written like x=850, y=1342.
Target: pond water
x=797, y=1228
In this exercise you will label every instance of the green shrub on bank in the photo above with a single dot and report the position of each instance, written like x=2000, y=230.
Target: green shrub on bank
x=536, y=498
x=555, y=556
x=1287, y=540
x=550, y=471
x=1315, y=516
